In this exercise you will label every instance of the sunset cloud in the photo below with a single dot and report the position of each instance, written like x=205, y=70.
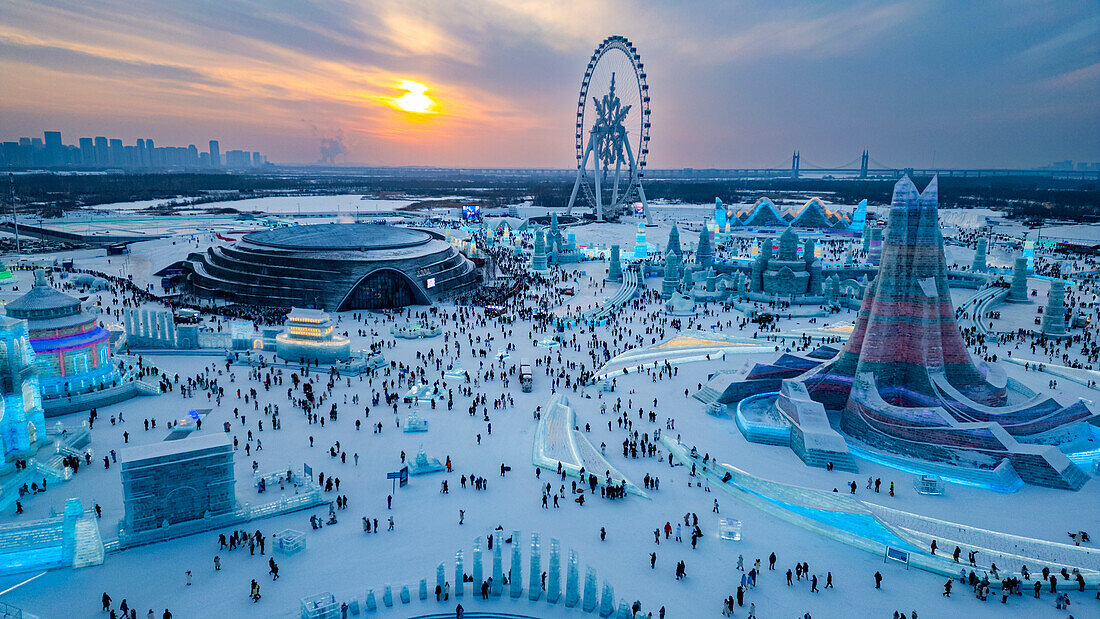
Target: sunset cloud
x=733, y=84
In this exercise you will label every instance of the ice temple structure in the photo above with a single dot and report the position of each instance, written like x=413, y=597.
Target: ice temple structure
x=905, y=387
x=308, y=336
x=75, y=365
x=787, y=274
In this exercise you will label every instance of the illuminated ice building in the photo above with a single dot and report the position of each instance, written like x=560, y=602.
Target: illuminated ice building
x=308, y=337
x=71, y=350
x=22, y=423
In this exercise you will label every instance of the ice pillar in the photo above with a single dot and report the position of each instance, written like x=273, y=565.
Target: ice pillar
x=607, y=600
x=589, y=603
x=515, y=576
x=534, y=586
x=553, y=579
x=572, y=586
x=615, y=268
x=478, y=576
x=1017, y=291
x=73, y=512
x=498, y=570
x=1054, y=315
x=460, y=576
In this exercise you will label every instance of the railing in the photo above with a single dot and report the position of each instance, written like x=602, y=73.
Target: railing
x=832, y=515
x=1012, y=548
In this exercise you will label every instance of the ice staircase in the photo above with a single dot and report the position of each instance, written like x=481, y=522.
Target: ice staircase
x=145, y=387
x=715, y=387
x=89, y=545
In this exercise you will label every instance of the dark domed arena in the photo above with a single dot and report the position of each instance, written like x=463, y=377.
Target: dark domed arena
x=336, y=267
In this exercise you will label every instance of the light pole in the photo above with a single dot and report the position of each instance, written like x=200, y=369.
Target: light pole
x=14, y=218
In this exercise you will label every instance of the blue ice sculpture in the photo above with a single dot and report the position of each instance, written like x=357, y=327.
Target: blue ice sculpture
x=387, y=596
x=423, y=589
x=370, y=604
x=478, y=575
x=498, y=571
x=572, y=581
x=625, y=611
x=534, y=585
x=423, y=465
x=440, y=576
x=460, y=577
x=515, y=577
x=415, y=423
x=405, y=597
x=589, y=603
x=553, y=582
x=607, y=600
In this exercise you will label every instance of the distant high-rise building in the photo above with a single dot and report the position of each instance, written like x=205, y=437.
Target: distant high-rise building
x=192, y=156
x=257, y=160
x=54, y=148
x=215, y=154
x=115, y=152
x=87, y=152
x=101, y=149
x=238, y=159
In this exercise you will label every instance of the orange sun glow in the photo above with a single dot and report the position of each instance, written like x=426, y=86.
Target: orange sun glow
x=414, y=101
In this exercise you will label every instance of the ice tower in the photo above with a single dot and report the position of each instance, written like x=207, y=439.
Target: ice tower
x=905, y=383
x=641, y=249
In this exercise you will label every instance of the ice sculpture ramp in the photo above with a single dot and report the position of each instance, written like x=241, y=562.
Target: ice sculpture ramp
x=687, y=346
x=557, y=442
x=873, y=528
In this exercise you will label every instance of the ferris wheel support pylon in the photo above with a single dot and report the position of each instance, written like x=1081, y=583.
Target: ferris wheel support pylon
x=580, y=176
x=599, y=194
x=641, y=192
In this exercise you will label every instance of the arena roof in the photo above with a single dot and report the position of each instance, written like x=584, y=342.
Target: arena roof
x=339, y=237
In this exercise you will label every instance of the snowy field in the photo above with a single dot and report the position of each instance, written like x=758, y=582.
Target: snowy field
x=279, y=205
x=341, y=559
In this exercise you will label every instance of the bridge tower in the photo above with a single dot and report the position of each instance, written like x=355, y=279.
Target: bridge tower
x=794, y=164
x=863, y=164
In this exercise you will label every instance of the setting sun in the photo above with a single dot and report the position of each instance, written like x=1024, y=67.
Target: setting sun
x=414, y=100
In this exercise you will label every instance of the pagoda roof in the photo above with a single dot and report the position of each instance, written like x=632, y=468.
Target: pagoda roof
x=43, y=296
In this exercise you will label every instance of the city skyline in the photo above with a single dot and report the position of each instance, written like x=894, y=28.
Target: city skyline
x=102, y=152
x=494, y=84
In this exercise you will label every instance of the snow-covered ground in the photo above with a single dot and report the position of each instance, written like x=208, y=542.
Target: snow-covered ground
x=343, y=560
x=280, y=205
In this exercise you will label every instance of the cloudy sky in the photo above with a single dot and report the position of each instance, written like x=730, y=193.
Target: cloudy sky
x=968, y=84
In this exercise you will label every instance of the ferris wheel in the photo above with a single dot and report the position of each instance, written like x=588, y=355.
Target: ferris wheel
x=612, y=131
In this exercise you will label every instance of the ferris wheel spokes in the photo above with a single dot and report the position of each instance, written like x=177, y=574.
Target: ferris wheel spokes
x=607, y=140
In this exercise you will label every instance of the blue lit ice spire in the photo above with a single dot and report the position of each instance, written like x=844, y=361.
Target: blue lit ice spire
x=640, y=247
